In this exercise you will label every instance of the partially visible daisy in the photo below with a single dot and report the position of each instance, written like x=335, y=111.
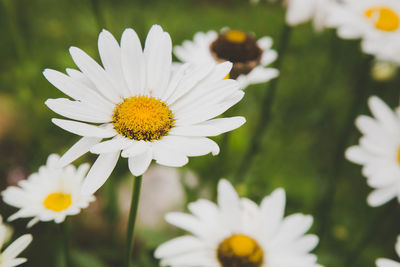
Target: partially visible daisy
x=8, y=257
x=377, y=22
x=51, y=194
x=250, y=57
x=301, y=11
x=141, y=105
x=379, y=151
x=382, y=262
x=237, y=232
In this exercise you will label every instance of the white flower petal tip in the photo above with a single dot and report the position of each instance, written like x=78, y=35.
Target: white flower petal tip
x=51, y=194
x=282, y=240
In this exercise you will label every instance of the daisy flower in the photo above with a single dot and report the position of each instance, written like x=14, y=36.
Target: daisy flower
x=379, y=151
x=8, y=257
x=250, y=57
x=51, y=194
x=387, y=262
x=377, y=22
x=302, y=11
x=237, y=232
x=141, y=105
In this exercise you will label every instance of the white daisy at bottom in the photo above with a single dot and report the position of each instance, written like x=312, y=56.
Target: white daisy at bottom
x=8, y=257
x=237, y=232
x=51, y=194
x=382, y=262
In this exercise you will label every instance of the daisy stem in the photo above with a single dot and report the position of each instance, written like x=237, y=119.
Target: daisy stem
x=265, y=114
x=132, y=219
x=65, y=244
x=97, y=13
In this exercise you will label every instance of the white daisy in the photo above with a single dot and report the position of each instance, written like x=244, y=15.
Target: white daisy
x=8, y=257
x=51, y=194
x=250, y=57
x=148, y=109
x=237, y=232
x=379, y=151
x=387, y=262
x=302, y=11
x=377, y=22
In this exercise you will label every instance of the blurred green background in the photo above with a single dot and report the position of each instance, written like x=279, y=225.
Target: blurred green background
x=324, y=84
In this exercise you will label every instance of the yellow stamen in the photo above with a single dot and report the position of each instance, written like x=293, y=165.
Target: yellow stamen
x=398, y=155
x=227, y=76
x=383, y=18
x=57, y=202
x=240, y=250
x=143, y=118
x=235, y=36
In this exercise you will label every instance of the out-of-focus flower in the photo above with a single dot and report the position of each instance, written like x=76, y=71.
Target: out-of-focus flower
x=250, y=57
x=382, y=262
x=8, y=257
x=238, y=232
x=383, y=70
x=148, y=109
x=377, y=22
x=379, y=151
x=302, y=11
x=51, y=194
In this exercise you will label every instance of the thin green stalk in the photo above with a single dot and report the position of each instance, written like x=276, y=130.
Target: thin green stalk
x=65, y=244
x=98, y=14
x=132, y=219
x=265, y=114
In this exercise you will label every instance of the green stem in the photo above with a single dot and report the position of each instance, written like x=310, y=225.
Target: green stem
x=265, y=115
x=97, y=13
x=65, y=244
x=132, y=219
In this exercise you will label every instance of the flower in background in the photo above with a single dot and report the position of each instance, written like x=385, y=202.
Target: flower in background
x=238, y=232
x=377, y=22
x=8, y=257
x=51, y=194
x=383, y=71
x=148, y=109
x=302, y=11
x=250, y=57
x=379, y=151
x=381, y=262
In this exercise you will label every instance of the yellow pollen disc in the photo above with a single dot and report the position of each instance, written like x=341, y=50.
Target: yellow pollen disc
x=143, y=118
x=57, y=202
x=240, y=250
x=235, y=36
x=384, y=18
x=398, y=155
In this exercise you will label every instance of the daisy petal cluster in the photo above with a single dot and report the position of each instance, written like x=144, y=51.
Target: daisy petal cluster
x=250, y=57
x=238, y=232
x=8, y=256
x=51, y=194
x=379, y=151
x=141, y=107
x=382, y=262
x=376, y=22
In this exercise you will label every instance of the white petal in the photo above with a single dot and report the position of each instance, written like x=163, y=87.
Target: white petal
x=357, y=155
x=78, y=149
x=273, y=209
x=84, y=129
x=397, y=246
x=177, y=246
x=167, y=157
x=379, y=197
x=99, y=172
x=17, y=247
x=135, y=148
x=386, y=263
x=384, y=114
x=229, y=203
x=112, y=145
x=138, y=164
x=191, y=146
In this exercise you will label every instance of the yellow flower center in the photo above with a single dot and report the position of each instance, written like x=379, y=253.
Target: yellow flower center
x=57, y=202
x=384, y=19
x=240, y=251
x=227, y=76
x=143, y=118
x=398, y=155
x=235, y=36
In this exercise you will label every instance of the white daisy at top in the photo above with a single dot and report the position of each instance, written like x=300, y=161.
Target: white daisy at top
x=250, y=57
x=51, y=194
x=141, y=105
x=302, y=11
x=379, y=151
x=382, y=262
x=8, y=256
x=237, y=232
x=377, y=22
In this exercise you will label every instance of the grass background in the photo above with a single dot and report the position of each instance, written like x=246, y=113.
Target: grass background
x=324, y=83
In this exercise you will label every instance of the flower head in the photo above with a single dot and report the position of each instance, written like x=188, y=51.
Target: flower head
x=8, y=257
x=379, y=151
x=141, y=105
x=382, y=262
x=51, y=194
x=237, y=232
x=250, y=57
